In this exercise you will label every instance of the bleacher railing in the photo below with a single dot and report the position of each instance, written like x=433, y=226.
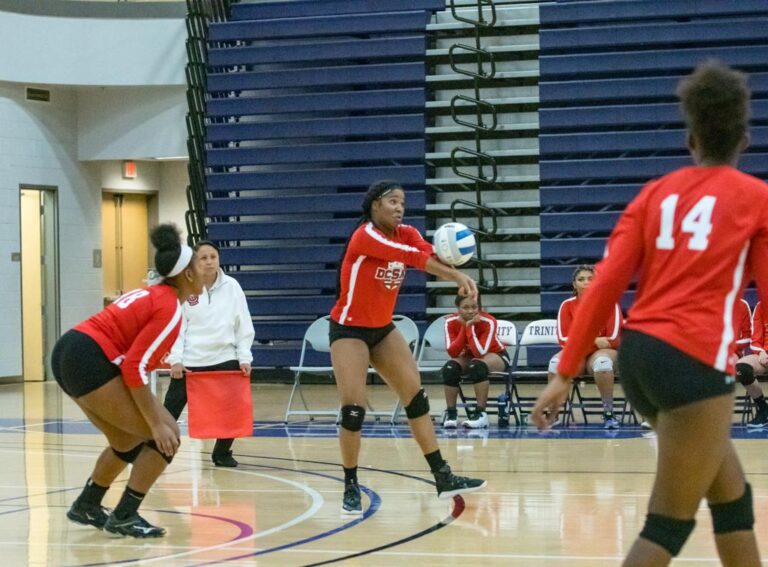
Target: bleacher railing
x=486, y=169
x=199, y=14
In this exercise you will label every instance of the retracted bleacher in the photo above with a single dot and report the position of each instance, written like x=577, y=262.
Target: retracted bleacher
x=309, y=103
x=609, y=118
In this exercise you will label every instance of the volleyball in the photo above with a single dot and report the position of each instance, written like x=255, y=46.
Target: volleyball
x=454, y=243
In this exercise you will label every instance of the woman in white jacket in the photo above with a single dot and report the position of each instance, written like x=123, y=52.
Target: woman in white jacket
x=216, y=334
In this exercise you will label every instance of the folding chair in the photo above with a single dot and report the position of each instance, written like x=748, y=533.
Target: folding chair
x=539, y=332
x=316, y=337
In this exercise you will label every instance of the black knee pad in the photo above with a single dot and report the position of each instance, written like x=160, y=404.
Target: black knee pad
x=128, y=456
x=745, y=373
x=152, y=445
x=352, y=417
x=419, y=405
x=478, y=371
x=669, y=533
x=452, y=373
x=734, y=516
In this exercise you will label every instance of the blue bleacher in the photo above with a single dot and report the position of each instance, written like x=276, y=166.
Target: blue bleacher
x=288, y=230
x=407, y=304
x=301, y=279
x=303, y=8
x=609, y=117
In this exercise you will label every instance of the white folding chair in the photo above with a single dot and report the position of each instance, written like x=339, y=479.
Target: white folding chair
x=316, y=337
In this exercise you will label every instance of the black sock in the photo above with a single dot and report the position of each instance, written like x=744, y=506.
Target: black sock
x=435, y=461
x=222, y=447
x=761, y=403
x=350, y=475
x=129, y=503
x=451, y=412
x=480, y=409
x=92, y=493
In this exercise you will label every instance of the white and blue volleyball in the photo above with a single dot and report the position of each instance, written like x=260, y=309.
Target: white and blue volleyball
x=454, y=243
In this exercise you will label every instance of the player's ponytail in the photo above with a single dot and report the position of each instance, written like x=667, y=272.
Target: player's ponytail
x=375, y=192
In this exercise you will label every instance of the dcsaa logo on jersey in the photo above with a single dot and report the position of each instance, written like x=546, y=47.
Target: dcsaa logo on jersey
x=392, y=275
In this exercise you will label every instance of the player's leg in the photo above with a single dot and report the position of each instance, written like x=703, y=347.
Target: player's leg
x=748, y=369
x=601, y=365
x=392, y=359
x=452, y=372
x=479, y=372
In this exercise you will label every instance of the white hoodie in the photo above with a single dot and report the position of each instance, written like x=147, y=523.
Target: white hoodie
x=215, y=326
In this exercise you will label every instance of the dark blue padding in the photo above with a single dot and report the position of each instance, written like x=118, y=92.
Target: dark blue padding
x=538, y=355
x=255, y=30
x=551, y=300
x=320, y=51
x=393, y=124
x=289, y=230
x=280, y=330
x=634, y=11
x=636, y=62
x=368, y=151
x=314, y=279
x=285, y=355
x=579, y=222
x=322, y=304
x=570, y=248
x=552, y=275
x=709, y=32
x=347, y=177
x=570, y=195
x=380, y=100
x=380, y=74
x=303, y=8
x=634, y=168
x=307, y=254
x=322, y=203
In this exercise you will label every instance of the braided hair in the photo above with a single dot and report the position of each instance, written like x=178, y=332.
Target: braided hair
x=375, y=192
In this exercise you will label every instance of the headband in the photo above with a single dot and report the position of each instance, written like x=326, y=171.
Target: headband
x=184, y=257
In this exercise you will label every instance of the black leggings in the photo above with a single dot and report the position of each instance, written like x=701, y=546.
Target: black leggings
x=176, y=398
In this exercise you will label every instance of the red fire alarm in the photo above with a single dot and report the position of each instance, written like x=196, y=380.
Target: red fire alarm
x=129, y=170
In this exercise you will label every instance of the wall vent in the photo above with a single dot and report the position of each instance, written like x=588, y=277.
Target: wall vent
x=39, y=95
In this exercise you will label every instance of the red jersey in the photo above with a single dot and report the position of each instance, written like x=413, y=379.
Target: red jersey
x=565, y=321
x=695, y=237
x=759, y=329
x=137, y=330
x=476, y=340
x=742, y=322
x=373, y=270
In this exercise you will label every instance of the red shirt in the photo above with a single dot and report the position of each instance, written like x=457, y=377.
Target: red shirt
x=476, y=340
x=695, y=237
x=137, y=330
x=759, y=329
x=373, y=270
x=742, y=321
x=565, y=321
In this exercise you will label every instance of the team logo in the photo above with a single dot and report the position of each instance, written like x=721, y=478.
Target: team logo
x=392, y=276
x=193, y=300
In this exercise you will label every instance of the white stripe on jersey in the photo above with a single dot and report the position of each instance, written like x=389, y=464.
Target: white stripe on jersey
x=445, y=331
x=721, y=362
x=616, y=323
x=559, y=328
x=491, y=335
x=351, y=292
x=156, y=343
x=373, y=234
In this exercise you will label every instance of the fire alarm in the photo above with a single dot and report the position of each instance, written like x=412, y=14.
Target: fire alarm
x=129, y=170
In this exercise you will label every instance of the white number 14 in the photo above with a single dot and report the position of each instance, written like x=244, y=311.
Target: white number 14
x=698, y=222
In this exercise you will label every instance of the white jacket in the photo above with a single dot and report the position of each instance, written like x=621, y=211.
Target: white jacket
x=215, y=327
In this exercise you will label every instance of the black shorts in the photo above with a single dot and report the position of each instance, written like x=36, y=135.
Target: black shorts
x=79, y=365
x=369, y=335
x=504, y=355
x=658, y=377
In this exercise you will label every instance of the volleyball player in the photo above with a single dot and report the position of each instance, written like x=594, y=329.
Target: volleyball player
x=475, y=351
x=103, y=364
x=755, y=364
x=695, y=237
x=602, y=355
x=362, y=333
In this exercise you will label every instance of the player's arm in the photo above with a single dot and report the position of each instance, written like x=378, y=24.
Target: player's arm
x=455, y=339
x=564, y=320
x=482, y=335
x=614, y=327
x=758, y=339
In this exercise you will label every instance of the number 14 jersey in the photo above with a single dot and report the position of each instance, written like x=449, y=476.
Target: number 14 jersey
x=694, y=238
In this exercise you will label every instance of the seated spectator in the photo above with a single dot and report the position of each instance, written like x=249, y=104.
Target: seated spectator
x=470, y=339
x=756, y=364
x=601, y=361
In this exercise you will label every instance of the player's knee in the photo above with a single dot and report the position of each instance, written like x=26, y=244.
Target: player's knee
x=352, y=417
x=452, y=373
x=666, y=532
x=152, y=445
x=553, y=362
x=602, y=364
x=128, y=456
x=734, y=516
x=745, y=373
x=419, y=405
x=477, y=370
